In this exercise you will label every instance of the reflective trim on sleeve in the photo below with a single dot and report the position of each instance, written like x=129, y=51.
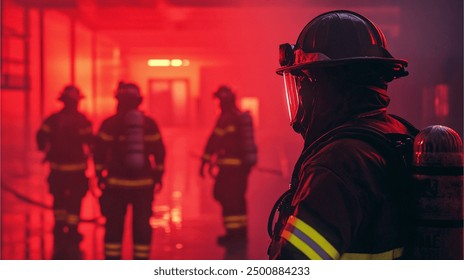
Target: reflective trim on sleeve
x=152, y=137
x=224, y=131
x=118, y=182
x=68, y=167
x=60, y=214
x=389, y=255
x=45, y=128
x=72, y=219
x=105, y=137
x=308, y=240
x=229, y=161
x=230, y=128
x=206, y=157
x=159, y=167
x=99, y=167
x=219, y=131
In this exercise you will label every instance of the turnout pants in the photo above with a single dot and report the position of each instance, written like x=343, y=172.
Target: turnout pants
x=114, y=202
x=230, y=190
x=68, y=190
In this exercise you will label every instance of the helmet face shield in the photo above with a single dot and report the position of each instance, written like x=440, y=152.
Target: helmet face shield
x=291, y=95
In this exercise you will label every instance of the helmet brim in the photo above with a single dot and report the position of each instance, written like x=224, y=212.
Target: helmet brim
x=400, y=63
x=64, y=98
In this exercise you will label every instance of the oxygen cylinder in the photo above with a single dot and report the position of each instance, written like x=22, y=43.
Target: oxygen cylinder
x=250, y=153
x=438, y=176
x=134, y=136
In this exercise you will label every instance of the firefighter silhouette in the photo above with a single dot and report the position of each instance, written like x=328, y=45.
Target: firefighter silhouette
x=129, y=163
x=66, y=137
x=231, y=148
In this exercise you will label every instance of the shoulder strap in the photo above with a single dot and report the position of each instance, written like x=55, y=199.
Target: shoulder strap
x=390, y=145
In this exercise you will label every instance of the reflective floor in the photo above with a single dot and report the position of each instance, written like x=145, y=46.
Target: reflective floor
x=186, y=220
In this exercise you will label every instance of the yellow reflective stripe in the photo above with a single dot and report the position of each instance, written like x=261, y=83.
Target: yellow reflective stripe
x=236, y=221
x=206, y=157
x=105, y=137
x=86, y=130
x=235, y=224
x=111, y=253
x=235, y=218
x=224, y=131
x=152, y=138
x=389, y=255
x=113, y=246
x=315, y=236
x=72, y=219
x=68, y=167
x=300, y=245
x=45, y=128
x=230, y=128
x=60, y=215
x=113, y=249
x=141, y=251
x=229, y=161
x=141, y=247
x=219, y=131
x=141, y=255
x=130, y=183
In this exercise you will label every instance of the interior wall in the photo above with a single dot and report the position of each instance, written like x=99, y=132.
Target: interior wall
x=57, y=57
x=431, y=39
x=83, y=66
x=91, y=61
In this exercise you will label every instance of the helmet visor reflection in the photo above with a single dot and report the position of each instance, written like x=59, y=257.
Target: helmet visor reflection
x=291, y=94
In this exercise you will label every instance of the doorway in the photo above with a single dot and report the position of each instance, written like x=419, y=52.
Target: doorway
x=169, y=101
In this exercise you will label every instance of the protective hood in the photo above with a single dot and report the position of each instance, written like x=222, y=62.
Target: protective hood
x=331, y=108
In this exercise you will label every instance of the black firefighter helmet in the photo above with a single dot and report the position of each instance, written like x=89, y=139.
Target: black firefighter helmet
x=226, y=96
x=336, y=39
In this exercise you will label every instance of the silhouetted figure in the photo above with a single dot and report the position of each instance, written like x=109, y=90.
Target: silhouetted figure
x=349, y=193
x=232, y=149
x=66, y=137
x=129, y=163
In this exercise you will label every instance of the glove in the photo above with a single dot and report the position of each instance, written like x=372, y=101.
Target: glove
x=101, y=180
x=157, y=176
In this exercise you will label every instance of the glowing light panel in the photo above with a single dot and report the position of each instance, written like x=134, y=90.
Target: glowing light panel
x=164, y=62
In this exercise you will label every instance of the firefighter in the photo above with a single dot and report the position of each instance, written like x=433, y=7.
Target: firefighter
x=129, y=163
x=232, y=149
x=66, y=138
x=347, y=197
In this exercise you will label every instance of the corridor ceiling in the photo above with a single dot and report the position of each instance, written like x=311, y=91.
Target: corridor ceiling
x=181, y=25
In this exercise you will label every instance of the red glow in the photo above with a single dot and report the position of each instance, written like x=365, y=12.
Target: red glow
x=441, y=103
x=95, y=44
x=251, y=104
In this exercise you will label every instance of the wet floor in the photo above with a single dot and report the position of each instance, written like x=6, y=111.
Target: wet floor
x=186, y=220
